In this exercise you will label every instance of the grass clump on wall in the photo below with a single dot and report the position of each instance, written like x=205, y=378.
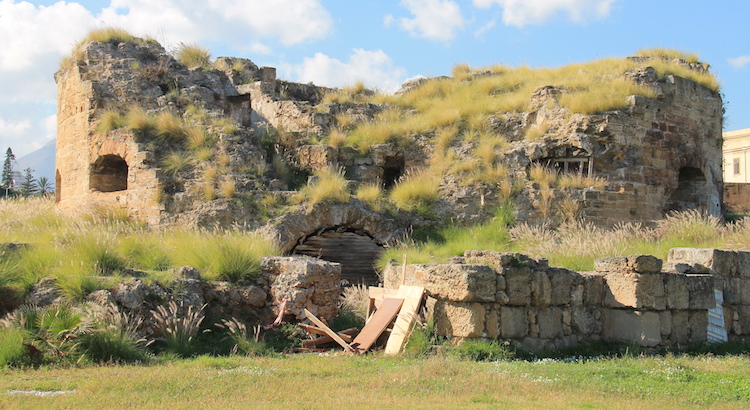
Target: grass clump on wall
x=193, y=56
x=327, y=185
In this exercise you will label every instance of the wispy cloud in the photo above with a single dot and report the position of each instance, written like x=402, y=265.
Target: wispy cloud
x=524, y=12
x=739, y=62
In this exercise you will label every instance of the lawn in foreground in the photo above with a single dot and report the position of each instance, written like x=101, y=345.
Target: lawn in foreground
x=311, y=381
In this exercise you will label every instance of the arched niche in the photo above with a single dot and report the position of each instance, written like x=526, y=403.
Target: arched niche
x=109, y=173
x=691, y=192
x=354, y=249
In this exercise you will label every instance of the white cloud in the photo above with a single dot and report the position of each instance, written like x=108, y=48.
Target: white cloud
x=433, y=19
x=739, y=62
x=523, y=12
x=13, y=129
x=485, y=28
x=374, y=68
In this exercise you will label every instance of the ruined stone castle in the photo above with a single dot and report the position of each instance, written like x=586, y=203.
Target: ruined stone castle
x=658, y=155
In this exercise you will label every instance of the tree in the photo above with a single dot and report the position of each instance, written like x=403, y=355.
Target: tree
x=43, y=186
x=28, y=186
x=7, y=178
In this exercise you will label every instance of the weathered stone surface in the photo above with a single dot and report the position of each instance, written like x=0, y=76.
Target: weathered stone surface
x=680, y=329
x=514, y=322
x=676, y=291
x=44, y=293
x=742, y=320
x=635, y=290
x=461, y=283
x=632, y=263
x=518, y=285
x=593, y=288
x=130, y=295
x=550, y=322
x=188, y=272
x=701, y=292
x=492, y=324
x=631, y=326
x=305, y=282
x=738, y=291
x=698, y=322
x=541, y=289
x=722, y=262
x=584, y=321
x=561, y=282
x=499, y=260
x=459, y=319
x=101, y=297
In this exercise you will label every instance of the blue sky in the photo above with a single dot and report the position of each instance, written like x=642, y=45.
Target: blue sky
x=383, y=43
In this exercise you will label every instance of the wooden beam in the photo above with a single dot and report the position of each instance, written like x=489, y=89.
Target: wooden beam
x=328, y=331
x=413, y=296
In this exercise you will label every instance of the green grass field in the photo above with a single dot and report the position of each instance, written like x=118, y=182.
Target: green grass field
x=373, y=381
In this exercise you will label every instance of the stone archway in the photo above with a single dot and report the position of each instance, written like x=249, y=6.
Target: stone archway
x=109, y=173
x=327, y=226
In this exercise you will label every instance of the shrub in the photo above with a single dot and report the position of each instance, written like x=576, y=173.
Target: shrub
x=170, y=128
x=178, y=327
x=142, y=124
x=110, y=120
x=243, y=342
x=109, y=35
x=12, y=350
x=417, y=192
x=329, y=185
x=193, y=56
x=356, y=299
x=177, y=162
x=110, y=335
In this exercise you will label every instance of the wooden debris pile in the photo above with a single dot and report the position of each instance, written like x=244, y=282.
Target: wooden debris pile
x=390, y=317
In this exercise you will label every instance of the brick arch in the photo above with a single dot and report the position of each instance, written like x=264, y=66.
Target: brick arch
x=109, y=173
x=292, y=227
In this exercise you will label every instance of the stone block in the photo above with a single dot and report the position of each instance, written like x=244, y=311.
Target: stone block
x=461, y=283
x=550, y=322
x=459, y=319
x=593, y=289
x=722, y=262
x=676, y=291
x=631, y=326
x=562, y=281
x=635, y=290
x=665, y=319
x=518, y=285
x=698, y=323
x=541, y=289
x=632, y=263
x=680, y=333
x=584, y=321
x=738, y=291
x=492, y=324
x=701, y=292
x=514, y=322
x=743, y=320
x=499, y=260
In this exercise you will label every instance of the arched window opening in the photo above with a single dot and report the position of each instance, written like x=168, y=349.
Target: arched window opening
x=353, y=249
x=58, y=186
x=392, y=171
x=690, y=193
x=109, y=173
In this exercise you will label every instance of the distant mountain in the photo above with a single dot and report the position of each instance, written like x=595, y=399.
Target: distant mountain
x=42, y=161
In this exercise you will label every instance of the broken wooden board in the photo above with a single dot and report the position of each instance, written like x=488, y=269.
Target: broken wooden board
x=377, y=324
x=377, y=294
x=328, y=331
x=412, y=296
x=346, y=335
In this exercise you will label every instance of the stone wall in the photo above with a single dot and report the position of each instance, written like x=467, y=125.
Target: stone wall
x=629, y=299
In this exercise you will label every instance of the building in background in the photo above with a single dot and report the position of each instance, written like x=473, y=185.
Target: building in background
x=737, y=170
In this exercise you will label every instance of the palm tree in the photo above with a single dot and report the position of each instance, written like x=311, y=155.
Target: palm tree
x=44, y=186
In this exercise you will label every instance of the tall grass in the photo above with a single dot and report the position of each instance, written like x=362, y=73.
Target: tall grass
x=328, y=185
x=416, y=192
x=193, y=56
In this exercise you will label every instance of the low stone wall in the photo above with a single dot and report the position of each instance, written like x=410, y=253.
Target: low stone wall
x=511, y=296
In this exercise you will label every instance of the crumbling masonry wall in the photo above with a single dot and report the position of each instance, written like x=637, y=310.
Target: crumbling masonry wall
x=631, y=299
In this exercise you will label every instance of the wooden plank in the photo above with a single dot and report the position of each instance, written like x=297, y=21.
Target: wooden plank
x=328, y=331
x=413, y=296
x=346, y=335
x=377, y=324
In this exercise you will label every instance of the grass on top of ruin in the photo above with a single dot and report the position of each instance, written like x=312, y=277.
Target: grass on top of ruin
x=312, y=381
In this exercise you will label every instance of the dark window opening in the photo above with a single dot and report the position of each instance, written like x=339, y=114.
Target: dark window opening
x=356, y=251
x=690, y=193
x=392, y=171
x=109, y=173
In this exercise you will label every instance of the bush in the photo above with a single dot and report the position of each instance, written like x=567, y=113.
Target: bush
x=328, y=186
x=194, y=56
x=110, y=335
x=178, y=327
x=12, y=351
